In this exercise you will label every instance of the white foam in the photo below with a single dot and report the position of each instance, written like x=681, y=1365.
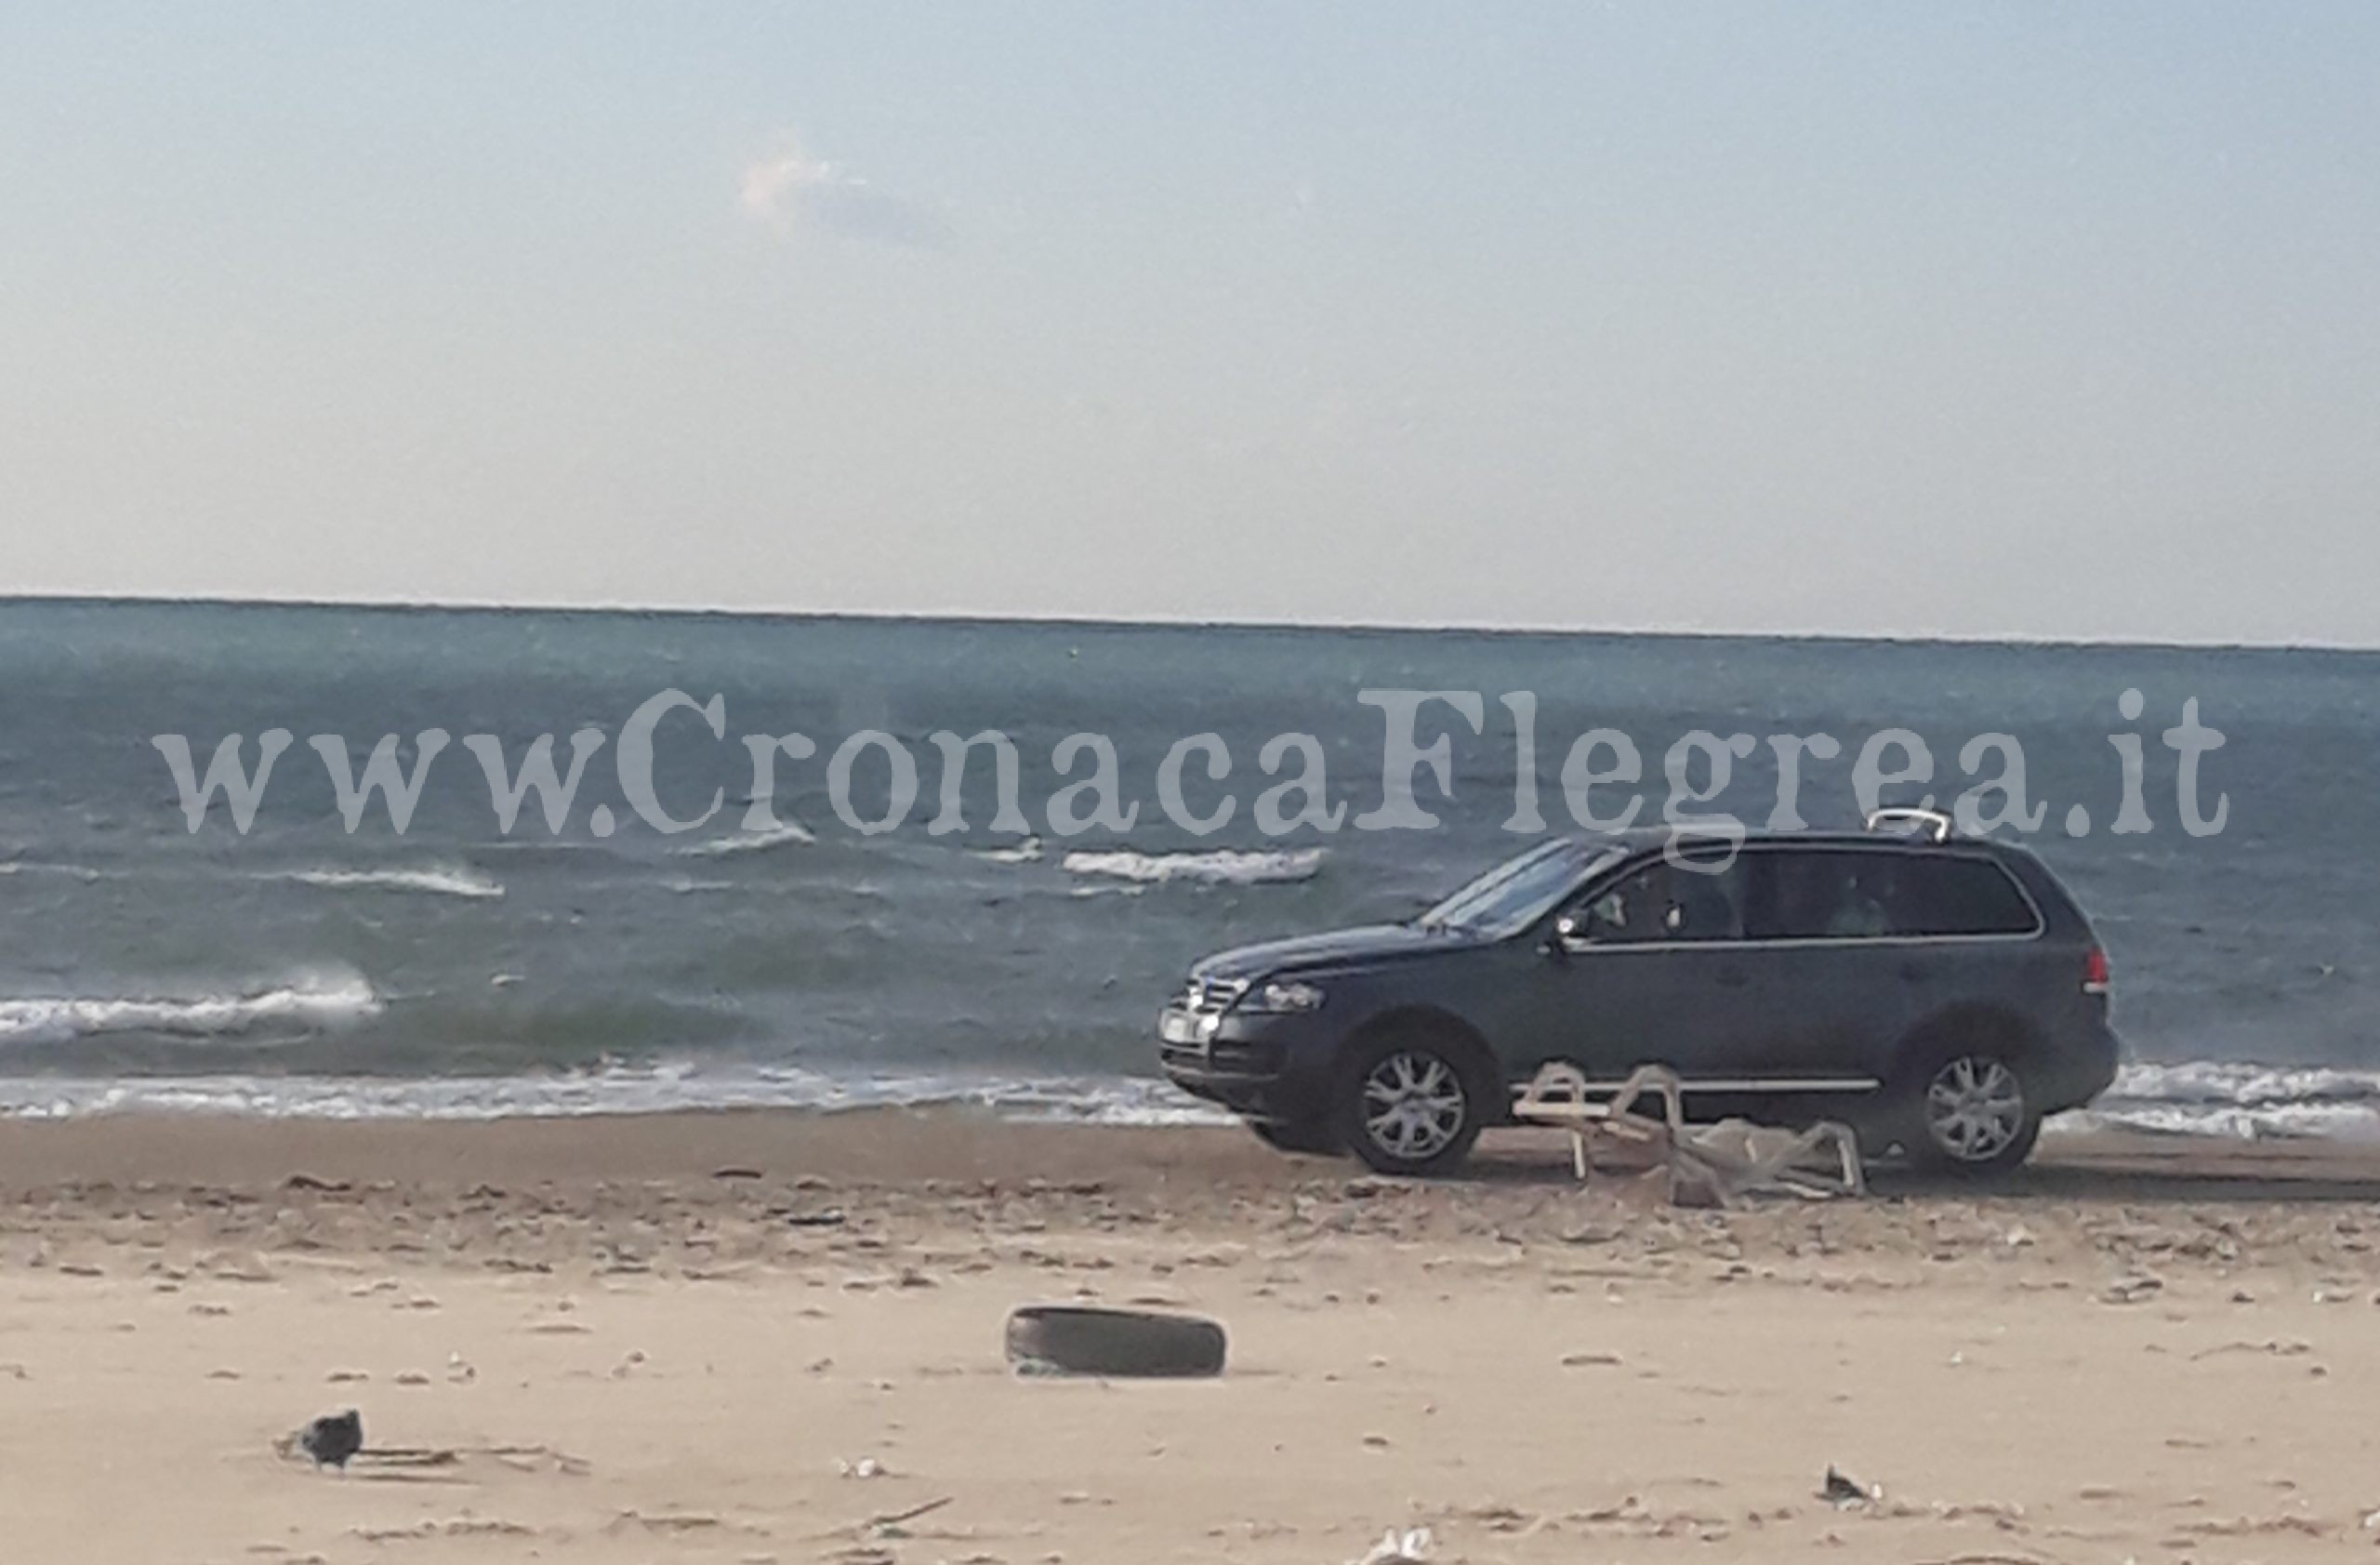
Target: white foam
x=1221, y=865
x=1117, y=1100
x=2240, y=1099
x=657, y=1089
x=82, y=872
x=442, y=880
x=2227, y=1083
x=1026, y=851
x=324, y=1002
x=787, y=834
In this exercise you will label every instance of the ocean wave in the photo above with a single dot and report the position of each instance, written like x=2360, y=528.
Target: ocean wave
x=82, y=872
x=1217, y=867
x=2241, y=1100
x=788, y=834
x=314, y=1003
x=657, y=1089
x=1026, y=851
x=453, y=881
x=2257, y=1102
x=2243, y=1085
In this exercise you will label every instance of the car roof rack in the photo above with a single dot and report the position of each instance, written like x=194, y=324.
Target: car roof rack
x=1910, y=821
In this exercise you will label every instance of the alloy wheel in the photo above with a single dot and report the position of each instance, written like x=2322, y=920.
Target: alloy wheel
x=1413, y=1105
x=1975, y=1108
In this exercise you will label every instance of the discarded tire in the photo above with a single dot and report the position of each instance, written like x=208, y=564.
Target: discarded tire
x=1071, y=1339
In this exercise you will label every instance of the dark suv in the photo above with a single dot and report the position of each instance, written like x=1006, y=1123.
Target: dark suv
x=1940, y=993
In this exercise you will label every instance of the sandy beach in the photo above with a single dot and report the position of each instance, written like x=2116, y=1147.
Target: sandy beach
x=752, y=1337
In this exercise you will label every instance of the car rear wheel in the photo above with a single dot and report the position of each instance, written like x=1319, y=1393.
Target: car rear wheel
x=1967, y=1112
x=1407, y=1103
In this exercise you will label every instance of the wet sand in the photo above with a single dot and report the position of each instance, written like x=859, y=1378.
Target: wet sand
x=668, y=1337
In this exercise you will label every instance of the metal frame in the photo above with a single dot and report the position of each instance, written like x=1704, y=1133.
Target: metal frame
x=1938, y=824
x=1560, y=1096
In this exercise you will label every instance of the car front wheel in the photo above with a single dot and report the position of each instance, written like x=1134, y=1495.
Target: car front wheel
x=1406, y=1104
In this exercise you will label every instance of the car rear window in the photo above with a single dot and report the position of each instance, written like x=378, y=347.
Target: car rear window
x=1852, y=894
x=1943, y=896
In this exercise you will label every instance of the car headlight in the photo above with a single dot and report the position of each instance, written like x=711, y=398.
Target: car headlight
x=1283, y=997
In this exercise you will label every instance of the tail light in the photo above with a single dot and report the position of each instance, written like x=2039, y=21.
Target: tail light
x=2095, y=970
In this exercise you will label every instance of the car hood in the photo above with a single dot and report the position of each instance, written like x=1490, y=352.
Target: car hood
x=1338, y=948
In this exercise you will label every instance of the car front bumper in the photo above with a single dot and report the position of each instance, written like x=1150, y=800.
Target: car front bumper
x=1264, y=1066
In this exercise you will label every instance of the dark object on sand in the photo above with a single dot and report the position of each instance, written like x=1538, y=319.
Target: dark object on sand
x=333, y=1438
x=1073, y=1339
x=831, y=1219
x=1840, y=1491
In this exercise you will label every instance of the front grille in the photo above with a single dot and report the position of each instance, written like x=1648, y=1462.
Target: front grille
x=1227, y=1058
x=1203, y=1003
x=1213, y=996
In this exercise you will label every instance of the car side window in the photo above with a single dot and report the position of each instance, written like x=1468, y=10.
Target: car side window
x=1851, y=894
x=1825, y=895
x=1665, y=903
x=1946, y=895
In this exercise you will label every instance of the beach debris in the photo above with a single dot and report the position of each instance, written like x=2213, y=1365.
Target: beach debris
x=890, y=1524
x=461, y=1371
x=230, y=1267
x=1082, y=1339
x=2281, y=1349
x=667, y=1521
x=866, y=1467
x=1590, y=1361
x=1410, y=1547
x=465, y=1526
x=333, y=1439
x=2131, y=1290
x=832, y=1217
x=1841, y=1489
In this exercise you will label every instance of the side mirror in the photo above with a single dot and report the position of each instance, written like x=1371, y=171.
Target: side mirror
x=1568, y=930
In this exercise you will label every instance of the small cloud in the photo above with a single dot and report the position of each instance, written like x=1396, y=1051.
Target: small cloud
x=790, y=190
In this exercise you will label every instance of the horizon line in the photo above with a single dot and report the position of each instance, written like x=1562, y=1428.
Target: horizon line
x=686, y=611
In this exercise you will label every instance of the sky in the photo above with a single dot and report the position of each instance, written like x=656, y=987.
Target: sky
x=1970, y=320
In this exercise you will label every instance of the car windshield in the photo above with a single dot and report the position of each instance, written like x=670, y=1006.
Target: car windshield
x=1515, y=894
